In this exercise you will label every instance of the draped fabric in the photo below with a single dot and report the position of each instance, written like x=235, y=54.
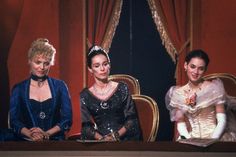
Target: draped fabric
x=171, y=19
x=62, y=22
x=9, y=19
x=102, y=19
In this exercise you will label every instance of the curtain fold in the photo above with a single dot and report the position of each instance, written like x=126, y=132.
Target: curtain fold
x=102, y=19
x=171, y=19
x=9, y=21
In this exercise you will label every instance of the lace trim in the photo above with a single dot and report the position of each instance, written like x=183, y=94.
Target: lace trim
x=212, y=93
x=166, y=41
x=106, y=44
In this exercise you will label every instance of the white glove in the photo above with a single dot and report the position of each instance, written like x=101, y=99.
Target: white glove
x=182, y=129
x=221, y=123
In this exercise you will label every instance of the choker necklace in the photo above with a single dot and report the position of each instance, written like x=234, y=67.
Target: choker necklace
x=40, y=80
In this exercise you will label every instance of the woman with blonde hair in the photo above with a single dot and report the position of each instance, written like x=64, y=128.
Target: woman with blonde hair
x=40, y=106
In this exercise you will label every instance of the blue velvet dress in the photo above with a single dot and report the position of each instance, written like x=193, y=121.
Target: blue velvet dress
x=25, y=112
x=109, y=115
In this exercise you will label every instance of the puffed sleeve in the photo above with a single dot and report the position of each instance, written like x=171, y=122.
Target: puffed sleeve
x=213, y=93
x=88, y=130
x=175, y=112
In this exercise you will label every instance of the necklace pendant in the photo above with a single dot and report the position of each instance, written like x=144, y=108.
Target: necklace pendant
x=40, y=83
x=103, y=91
x=104, y=105
x=42, y=115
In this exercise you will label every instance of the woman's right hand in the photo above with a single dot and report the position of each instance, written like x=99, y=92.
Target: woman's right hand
x=107, y=137
x=37, y=137
x=38, y=134
x=32, y=134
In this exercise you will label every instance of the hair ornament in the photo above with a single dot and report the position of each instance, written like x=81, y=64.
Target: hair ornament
x=96, y=48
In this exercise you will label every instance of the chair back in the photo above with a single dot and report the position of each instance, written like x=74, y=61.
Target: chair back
x=148, y=114
x=229, y=81
x=132, y=82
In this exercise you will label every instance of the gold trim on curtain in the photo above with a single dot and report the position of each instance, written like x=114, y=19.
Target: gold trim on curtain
x=106, y=44
x=166, y=41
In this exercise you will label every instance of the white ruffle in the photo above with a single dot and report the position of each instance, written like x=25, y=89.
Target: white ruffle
x=211, y=93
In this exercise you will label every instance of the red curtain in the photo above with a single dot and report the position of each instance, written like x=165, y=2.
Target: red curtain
x=10, y=12
x=102, y=20
x=171, y=18
x=214, y=31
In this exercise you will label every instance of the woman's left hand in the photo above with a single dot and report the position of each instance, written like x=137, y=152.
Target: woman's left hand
x=40, y=133
x=108, y=137
x=111, y=137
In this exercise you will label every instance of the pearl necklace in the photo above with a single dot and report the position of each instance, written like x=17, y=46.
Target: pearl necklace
x=106, y=90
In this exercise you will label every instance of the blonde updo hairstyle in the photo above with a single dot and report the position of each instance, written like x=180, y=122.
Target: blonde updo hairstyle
x=41, y=46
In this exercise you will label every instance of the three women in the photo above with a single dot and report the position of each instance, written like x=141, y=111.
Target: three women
x=41, y=109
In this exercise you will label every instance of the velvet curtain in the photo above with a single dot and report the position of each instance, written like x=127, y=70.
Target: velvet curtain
x=172, y=21
x=213, y=24
x=102, y=19
x=9, y=19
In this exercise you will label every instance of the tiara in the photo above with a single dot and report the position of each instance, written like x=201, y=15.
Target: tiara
x=96, y=48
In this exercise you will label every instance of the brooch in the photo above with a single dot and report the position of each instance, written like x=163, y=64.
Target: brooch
x=191, y=100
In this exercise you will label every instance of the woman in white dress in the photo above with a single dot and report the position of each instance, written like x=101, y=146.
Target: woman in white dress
x=199, y=104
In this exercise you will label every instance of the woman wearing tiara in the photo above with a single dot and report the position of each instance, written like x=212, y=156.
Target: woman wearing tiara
x=40, y=106
x=108, y=111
